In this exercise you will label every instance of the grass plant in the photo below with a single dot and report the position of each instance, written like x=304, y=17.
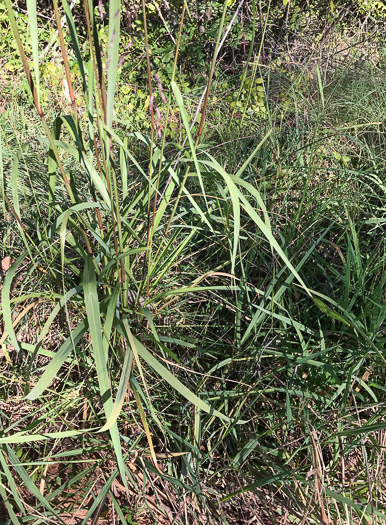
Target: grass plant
x=191, y=332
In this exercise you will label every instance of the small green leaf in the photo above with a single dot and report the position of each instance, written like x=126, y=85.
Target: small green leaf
x=328, y=311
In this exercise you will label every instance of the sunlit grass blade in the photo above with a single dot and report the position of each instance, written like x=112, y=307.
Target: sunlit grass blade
x=365, y=429
x=112, y=56
x=52, y=167
x=320, y=84
x=94, y=320
x=33, y=26
x=193, y=289
x=21, y=438
x=110, y=313
x=363, y=507
x=271, y=239
x=122, y=390
x=165, y=261
x=145, y=426
x=277, y=295
x=95, y=177
x=75, y=42
x=175, y=382
x=234, y=194
x=185, y=120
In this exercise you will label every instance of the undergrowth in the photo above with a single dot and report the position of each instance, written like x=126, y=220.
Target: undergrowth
x=193, y=322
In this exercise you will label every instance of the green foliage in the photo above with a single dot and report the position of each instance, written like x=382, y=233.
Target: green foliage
x=248, y=102
x=194, y=320
x=8, y=46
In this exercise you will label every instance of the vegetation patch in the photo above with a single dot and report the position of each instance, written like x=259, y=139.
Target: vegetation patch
x=192, y=262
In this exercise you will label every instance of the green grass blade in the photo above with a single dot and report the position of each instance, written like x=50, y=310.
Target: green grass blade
x=320, y=84
x=365, y=429
x=63, y=300
x=243, y=454
x=95, y=177
x=264, y=481
x=112, y=56
x=29, y=483
x=75, y=42
x=271, y=239
x=111, y=308
x=234, y=193
x=362, y=507
x=176, y=383
x=167, y=262
x=15, y=183
x=122, y=390
x=52, y=166
x=185, y=120
x=6, y=300
x=55, y=364
x=258, y=316
x=252, y=155
x=20, y=438
x=8, y=505
x=329, y=311
x=98, y=501
x=124, y=168
x=94, y=319
x=118, y=510
x=11, y=482
x=33, y=26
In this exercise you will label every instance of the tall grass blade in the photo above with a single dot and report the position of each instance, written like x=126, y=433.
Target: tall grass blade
x=320, y=84
x=15, y=185
x=75, y=43
x=6, y=299
x=176, y=383
x=52, y=167
x=11, y=484
x=122, y=390
x=33, y=26
x=185, y=120
x=363, y=507
x=20, y=438
x=8, y=505
x=94, y=320
x=112, y=56
x=29, y=484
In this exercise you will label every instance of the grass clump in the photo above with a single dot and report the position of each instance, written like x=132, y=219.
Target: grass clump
x=192, y=330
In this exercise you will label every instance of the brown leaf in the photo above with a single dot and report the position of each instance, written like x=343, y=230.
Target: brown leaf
x=6, y=264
